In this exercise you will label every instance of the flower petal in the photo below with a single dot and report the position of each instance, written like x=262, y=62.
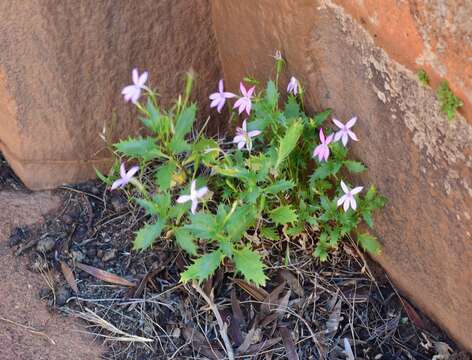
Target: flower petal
x=338, y=123
x=122, y=170
x=135, y=76
x=329, y=139
x=352, y=135
x=351, y=122
x=201, y=192
x=214, y=96
x=338, y=135
x=322, y=137
x=238, y=138
x=142, y=79
x=229, y=95
x=183, y=199
x=241, y=144
x=132, y=171
x=344, y=187
x=344, y=138
x=253, y=133
x=356, y=190
x=193, y=209
x=244, y=127
x=341, y=200
x=118, y=183
x=220, y=86
x=346, y=205
x=250, y=91
x=220, y=105
x=242, y=88
x=353, y=203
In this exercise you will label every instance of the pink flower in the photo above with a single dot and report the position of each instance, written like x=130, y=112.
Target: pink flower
x=344, y=131
x=193, y=197
x=244, y=102
x=322, y=150
x=243, y=137
x=348, y=200
x=125, y=176
x=218, y=99
x=293, y=86
x=133, y=92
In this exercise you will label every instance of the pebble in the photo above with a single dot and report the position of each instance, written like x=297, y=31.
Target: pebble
x=118, y=203
x=46, y=244
x=62, y=294
x=109, y=255
x=78, y=255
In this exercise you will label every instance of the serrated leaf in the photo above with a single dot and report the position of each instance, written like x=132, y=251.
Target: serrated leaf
x=179, y=145
x=203, y=267
x=279, y=186
x=338, y=150
x=354, y=166
x=321, y=117
x=250, y=265
x=326, y=169
x=321, y=252
x=104, y=179
x=203, y=225
x=292, y=109
x=139, y=148
x=147, y=235
x=240, y=221
x=185, y=121
x=272, y=94
x=288, y=142
x=186, y=241
x=164, y=175
x=283, y=215
x=149, y=206
x=369, y=243
x=270, y=233
x=367, y=216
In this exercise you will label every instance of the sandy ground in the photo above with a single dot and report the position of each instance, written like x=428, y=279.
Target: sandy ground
x=27, y=329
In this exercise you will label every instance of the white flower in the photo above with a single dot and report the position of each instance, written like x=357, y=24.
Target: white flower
x=133, y=92
x=348, y=200
x=345, y=131
x=243, y=137
x=293, y=86
x=194, y=196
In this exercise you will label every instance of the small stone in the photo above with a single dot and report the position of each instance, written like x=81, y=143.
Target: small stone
x=80, y=232
x=44, y=293
x=100, y=253
x=62, y=295
x=109, y=255
x=46, y=244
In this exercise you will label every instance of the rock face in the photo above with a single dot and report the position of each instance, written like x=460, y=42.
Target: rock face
x=62, y=68
x=360, y=58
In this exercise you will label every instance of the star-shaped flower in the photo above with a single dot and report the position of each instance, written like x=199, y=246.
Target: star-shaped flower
x=133, y=92
x=244, y=103
x=345, y=131
x=218, y=99
x=293, y=86
x=194, y=196
x=348, y=200
x=243, y=137
x=322, y=150
x=125, y=176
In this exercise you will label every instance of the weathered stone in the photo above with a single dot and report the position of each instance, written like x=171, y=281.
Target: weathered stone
x=418, y=159
x=63, y=65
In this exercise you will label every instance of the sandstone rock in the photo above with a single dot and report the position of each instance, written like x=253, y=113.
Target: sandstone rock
x=418, y=159
x=63, y=65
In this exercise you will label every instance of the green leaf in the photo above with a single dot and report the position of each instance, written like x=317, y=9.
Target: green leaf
x=250, y=265
x=283, y=215
x=288, y=142
x=203, y=267
x=279, y=186
x=203, y=225
x=292, y=109
x=354, y=166
x=102, y=177
x=338, y=150
x=164, y=175
x=367, y=216
x=179, y=145
x=272, y=95
x=321, y=252
x=240, y=221
x=369, y=243
x=326, y=169
x=321, y=117
x=186, y=241
x=149, y=206
x=139, y=148
x=185, y=121
x=270, y=233
x=147, y=235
